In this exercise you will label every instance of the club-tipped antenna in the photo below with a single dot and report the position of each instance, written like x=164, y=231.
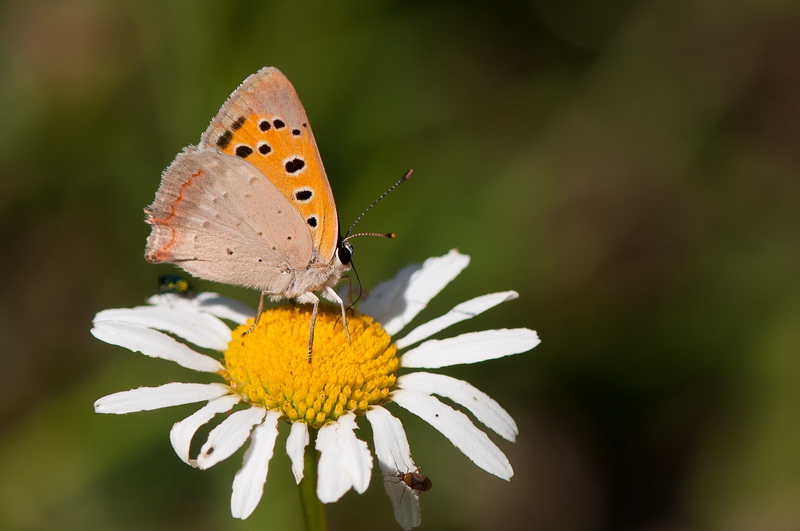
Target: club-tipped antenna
x=390, y=235
x=347, y=235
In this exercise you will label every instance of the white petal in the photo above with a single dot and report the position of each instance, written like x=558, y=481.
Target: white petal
x=485, y=409
x=182, y=432
x=167, y=395
x=457, y=427
x=206, y=302
x=344, y=462
x=201, y=329
x=394, y=455
x=296, y=446
x=248, y=484
x=355, y=455
x=229, y=436
x=460, y=312
x=385, y=300
x=170, y=300
x=470, y=348
x=225, y=308
x=396, y=302
x=391, y=444
x=153, y=343
x=332, y=480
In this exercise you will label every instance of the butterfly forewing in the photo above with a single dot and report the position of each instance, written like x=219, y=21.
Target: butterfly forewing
x=264, y=124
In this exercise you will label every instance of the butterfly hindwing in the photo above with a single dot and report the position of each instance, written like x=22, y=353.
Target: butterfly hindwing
x=218, y=218
x=264, y=123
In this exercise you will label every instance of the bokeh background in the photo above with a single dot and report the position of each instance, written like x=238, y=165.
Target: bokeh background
x=631, y=167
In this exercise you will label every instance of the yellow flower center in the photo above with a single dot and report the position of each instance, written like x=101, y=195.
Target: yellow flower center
x=270, y=368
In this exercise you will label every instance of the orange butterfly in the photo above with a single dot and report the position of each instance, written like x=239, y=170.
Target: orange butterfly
x=251, y=204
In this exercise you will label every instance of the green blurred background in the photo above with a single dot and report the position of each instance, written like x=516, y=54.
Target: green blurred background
x=632, y=168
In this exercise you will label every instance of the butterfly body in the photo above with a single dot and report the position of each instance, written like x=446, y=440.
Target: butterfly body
x=251, y=205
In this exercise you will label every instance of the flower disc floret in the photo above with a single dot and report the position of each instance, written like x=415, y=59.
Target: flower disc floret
x=269, y=366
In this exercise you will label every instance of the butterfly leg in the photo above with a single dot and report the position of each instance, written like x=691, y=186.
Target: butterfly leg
x=258, y=312
x=314, y=301
x=333, y=296
x=349, y=290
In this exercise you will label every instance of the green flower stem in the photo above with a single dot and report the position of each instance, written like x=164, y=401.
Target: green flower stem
x=313, y=510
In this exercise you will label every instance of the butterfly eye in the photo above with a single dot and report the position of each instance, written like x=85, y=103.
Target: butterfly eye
x=344, y=253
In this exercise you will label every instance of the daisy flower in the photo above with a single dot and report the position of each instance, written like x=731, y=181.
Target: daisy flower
x=266, y=378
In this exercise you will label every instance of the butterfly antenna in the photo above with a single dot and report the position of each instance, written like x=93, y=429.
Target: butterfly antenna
x=390, y=235
x=403, y=179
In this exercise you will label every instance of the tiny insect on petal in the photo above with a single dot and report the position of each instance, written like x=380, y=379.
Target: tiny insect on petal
x=392, y=452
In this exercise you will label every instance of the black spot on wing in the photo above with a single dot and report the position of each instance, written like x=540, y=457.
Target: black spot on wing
x=294, y=165
x=304, y=194
x=236, y=125
x=224, y=139
x=243, y=151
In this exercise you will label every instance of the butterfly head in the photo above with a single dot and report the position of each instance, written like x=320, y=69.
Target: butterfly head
x=344, y=252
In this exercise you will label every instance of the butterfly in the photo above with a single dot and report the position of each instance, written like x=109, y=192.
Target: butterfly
x=250, y=205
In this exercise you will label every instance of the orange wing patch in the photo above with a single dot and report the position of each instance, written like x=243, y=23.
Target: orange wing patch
x=285, y=154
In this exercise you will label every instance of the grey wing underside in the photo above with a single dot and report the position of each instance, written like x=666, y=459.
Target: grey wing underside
x=219, y=218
